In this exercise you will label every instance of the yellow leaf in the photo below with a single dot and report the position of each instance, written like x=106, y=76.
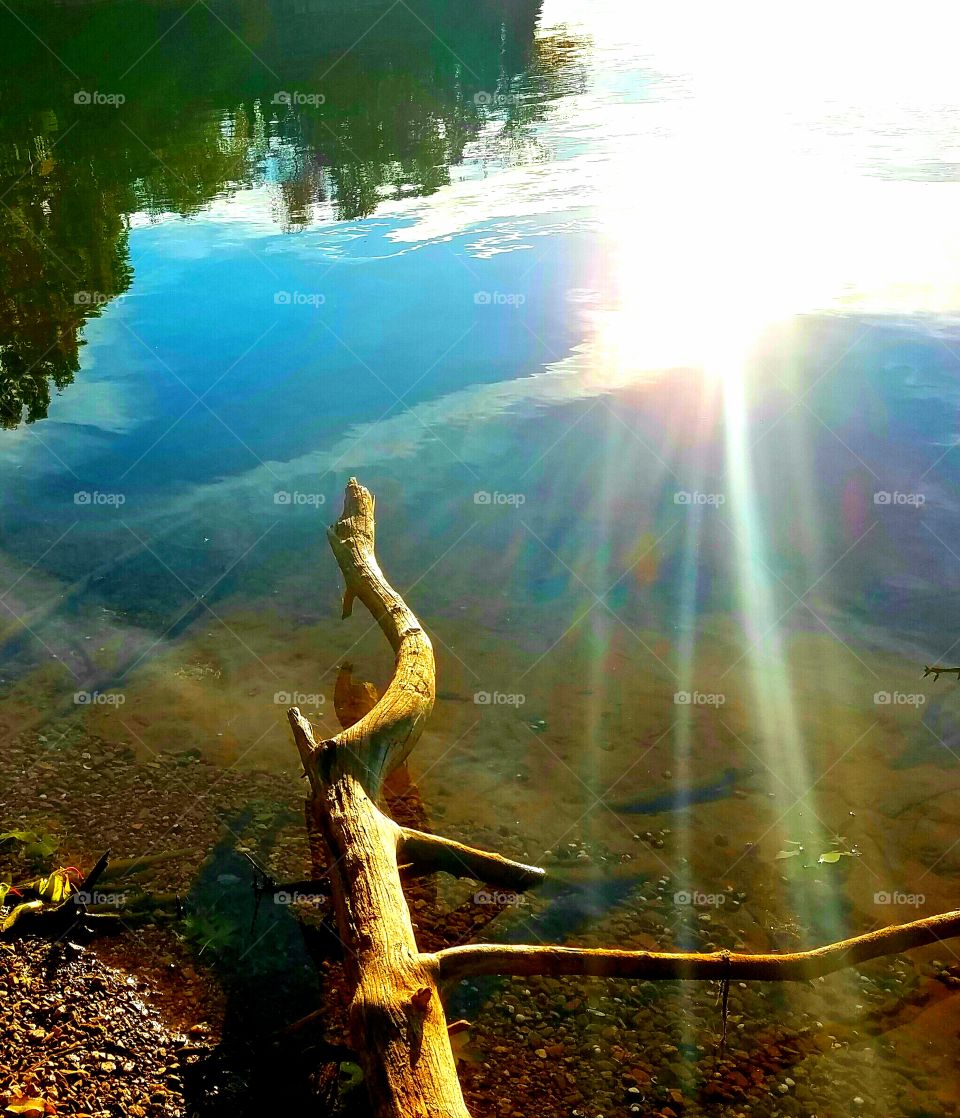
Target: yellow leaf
x=7, y=923
x=26, y=1106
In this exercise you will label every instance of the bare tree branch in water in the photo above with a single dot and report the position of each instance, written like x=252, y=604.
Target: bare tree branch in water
x=397, y=1019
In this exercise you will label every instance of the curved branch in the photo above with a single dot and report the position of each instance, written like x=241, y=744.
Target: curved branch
x=429, y=853
x=384, y=737
x=518, y=959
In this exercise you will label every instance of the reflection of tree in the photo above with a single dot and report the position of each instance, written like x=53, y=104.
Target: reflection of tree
x=63, y=254
x=554, y=67
x=201, y=117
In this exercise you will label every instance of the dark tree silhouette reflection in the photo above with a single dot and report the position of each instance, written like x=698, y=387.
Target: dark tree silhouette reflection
x=63, y=255
x=117, y=108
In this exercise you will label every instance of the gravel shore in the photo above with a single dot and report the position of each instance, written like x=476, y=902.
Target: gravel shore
x=159, y=1022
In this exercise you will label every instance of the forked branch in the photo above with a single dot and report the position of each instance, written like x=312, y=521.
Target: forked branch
x=396, y=1015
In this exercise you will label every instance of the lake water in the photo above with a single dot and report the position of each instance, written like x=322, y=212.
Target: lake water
x=643, y=325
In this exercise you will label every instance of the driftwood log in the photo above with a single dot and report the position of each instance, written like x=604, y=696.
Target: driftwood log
x=397, y=1018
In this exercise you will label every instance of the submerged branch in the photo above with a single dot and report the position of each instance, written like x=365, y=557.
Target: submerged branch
x=936, y=670
x=429, y=853
x=519, y=959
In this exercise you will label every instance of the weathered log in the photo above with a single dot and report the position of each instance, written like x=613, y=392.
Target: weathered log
x=397, y=1020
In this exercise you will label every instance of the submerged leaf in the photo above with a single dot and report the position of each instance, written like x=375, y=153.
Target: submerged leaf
x=34, y=845
x=832, y=856
x=28, y=906
x=351, y=1075
x=55, y=888
x=42, y=847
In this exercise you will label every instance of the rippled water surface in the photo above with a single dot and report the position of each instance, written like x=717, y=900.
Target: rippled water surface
x=647, y=343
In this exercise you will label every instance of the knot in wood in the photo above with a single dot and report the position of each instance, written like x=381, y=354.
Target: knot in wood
x=421, y=999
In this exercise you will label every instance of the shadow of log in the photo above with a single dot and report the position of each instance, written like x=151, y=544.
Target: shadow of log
x=271, y=960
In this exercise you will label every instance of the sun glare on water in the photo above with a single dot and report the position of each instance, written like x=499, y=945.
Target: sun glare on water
x=802, y=165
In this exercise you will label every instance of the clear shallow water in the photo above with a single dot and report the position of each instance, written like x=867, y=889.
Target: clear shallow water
x=686, y=320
